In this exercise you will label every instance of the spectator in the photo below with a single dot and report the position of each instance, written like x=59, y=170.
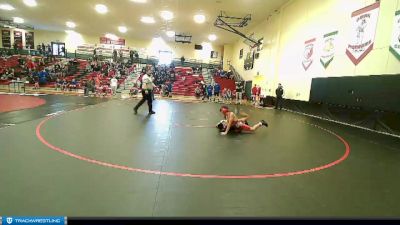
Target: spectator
x=43, y=77
x=279, y=96
x=197, y=92
x=120, y=55
x=169, y=89
x=114, y=85
x=217, y=89
x=131, y=55
x=223, y=95
x=253, y=94
x=95, y=53
x=258, y=95
x=209, y=92
x=228, y=95
x=115, y=55
x=72, y=85
x=64, y=85
x=36, y=80
x=239, y=92
x=58, y=84
x=182, y=60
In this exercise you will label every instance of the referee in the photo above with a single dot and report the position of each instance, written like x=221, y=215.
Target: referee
x=147, y=93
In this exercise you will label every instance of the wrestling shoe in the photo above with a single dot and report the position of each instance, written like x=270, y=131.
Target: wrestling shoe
x=264, y=123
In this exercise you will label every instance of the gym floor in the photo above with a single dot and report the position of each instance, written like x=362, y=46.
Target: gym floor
x=80, y=156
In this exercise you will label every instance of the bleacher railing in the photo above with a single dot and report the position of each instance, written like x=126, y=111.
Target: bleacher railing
x=147, y=60
x=236, y=75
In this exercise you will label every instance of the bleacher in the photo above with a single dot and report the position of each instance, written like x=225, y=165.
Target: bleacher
x=225, y=83
x=185, y=87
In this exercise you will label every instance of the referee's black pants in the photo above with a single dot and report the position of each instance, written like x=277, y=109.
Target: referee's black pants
x=147, y=96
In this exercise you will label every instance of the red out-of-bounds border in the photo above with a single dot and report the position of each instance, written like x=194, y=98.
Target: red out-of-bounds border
x=9, y=103
x=204, y=176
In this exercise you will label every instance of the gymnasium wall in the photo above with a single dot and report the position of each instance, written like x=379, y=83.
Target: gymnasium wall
x=227, y=60
x=73, y=40
x=286, y=30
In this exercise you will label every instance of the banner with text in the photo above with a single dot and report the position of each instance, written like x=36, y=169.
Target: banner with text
x=364, y=22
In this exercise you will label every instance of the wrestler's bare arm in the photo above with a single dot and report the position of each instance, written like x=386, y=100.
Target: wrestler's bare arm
x=230, y=120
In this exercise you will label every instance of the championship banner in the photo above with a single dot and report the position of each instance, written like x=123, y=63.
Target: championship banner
x=105, y=40
x=328, y=48
x=308, y=53
x=395, y=43
x=364, y=22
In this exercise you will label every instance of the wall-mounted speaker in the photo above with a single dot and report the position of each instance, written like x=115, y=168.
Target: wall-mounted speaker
x=198, y=47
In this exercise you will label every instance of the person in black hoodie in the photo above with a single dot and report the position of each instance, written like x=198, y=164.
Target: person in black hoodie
x=279, y=96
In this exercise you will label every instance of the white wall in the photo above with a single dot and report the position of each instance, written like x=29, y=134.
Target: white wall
x=299, y=20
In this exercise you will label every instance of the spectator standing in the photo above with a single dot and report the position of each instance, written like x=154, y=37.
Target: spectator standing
x=209, y=92
x=114, y=85
x=279, y=96
x=228, y=95
x=258, y=95
x=253, y=94
x=239, y=92
x=217, y=89
x=115, y=55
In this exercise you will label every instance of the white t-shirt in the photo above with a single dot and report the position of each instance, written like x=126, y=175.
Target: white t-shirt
x=114, y=82
x=147, y=82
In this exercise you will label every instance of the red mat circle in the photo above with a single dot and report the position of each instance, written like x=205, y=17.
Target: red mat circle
x=204, y=176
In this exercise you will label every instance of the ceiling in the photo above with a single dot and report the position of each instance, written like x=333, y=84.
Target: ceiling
x=52, y=15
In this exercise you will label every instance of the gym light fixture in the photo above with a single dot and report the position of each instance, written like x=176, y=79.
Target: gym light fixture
x=122, y=29
x=147, y=19
x=70, y=24
x=199, y=18
x=6, y=7
x=102, y=9
x=167, y=15
x=212, y=37
x=30, y=3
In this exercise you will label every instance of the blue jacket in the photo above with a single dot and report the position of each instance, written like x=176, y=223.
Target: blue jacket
x=217, y=88
x=209, y=89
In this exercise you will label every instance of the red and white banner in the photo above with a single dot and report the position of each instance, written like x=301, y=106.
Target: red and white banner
x=105, y=40
x=364, y=22
x=308, y=54
x=395, y=43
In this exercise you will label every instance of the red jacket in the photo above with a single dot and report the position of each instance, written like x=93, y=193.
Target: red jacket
x=254, y=90
x=258, y=92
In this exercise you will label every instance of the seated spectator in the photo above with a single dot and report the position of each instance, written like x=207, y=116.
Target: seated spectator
x=43, y=77
x=72, y=85
x=229, y=74
x=4, y=76
x=64, y=85
x=58, y=84
x=197, y=92
x=36, y=80
x=89, y=87
x=163, y=90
